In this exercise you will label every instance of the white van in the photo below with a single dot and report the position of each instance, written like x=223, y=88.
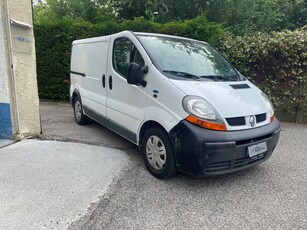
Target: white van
x=178, y=99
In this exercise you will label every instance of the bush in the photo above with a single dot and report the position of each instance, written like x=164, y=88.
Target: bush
x=53, y=45
x=276, y=62
x=198, y=28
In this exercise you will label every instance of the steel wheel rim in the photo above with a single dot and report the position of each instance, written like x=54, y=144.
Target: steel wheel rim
x=78, y=110
x=156, y=152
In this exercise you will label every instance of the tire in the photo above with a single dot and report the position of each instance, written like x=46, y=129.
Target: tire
x=158, y=154
x=80, y=117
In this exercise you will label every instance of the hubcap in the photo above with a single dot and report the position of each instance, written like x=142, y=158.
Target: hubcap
x=78, y=110
x=156, y=152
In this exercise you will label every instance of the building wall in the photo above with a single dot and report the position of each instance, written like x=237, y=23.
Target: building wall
x=21, y=79
x=5, y=112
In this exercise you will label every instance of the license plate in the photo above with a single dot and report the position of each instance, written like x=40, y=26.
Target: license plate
x=255, y=150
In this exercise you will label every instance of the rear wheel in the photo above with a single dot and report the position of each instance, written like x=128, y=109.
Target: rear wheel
x=80, y=117
x=157, y=153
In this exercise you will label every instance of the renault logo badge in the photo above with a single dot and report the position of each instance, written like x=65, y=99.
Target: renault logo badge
x=252, y=120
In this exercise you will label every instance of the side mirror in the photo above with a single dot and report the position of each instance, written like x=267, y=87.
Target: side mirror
x=136, y=74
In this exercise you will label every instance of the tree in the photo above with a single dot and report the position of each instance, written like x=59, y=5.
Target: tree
x=239, y=16
x=170, y=10
x=250, y=16
x=88, y=10
x=129, y=9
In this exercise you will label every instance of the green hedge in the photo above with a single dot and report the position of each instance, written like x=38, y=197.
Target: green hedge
x=276, y=62
x=53, y=44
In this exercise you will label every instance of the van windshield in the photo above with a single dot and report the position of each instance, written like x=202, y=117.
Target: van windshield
x=182, y=58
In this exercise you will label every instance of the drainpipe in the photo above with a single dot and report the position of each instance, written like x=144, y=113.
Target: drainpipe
x=14, y=86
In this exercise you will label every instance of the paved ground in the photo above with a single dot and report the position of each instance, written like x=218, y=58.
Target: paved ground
x=5, y=142
x=58, y=124
x=270, y=196
x=49, y=184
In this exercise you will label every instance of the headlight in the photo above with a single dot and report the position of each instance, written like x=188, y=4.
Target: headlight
x=269, y=105
x=202, y=113
x=198, y=107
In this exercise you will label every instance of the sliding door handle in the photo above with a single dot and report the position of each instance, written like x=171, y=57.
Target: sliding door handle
x=110, y=82
x=103, y=81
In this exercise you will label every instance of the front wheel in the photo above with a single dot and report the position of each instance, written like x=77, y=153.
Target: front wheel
x=158, y=154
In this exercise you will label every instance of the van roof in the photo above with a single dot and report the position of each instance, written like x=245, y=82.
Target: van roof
x=163, y=35
x=107, y=37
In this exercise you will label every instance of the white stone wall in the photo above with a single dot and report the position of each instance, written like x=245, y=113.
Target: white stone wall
x=4, y=93
x=6, y=129
x=21, y=81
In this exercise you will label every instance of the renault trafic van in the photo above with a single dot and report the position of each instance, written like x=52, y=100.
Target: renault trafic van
x=178, y=99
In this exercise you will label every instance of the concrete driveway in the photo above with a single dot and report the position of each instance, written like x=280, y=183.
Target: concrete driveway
x=49, y=184
x=270, y=196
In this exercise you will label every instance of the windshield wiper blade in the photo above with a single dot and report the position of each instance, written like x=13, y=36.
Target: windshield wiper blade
x=217, y=78
x=182, y=74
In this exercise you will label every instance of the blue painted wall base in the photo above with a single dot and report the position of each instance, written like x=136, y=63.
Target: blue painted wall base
x=5, y=121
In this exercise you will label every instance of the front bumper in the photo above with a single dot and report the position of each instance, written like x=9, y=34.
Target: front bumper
x=204, y=152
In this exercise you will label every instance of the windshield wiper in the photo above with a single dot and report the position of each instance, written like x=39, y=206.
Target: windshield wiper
x=192, y=76
x=182, y=74
x=217, y=78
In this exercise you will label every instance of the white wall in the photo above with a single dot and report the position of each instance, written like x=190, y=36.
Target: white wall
x=19, y=85
x=6, y=129
x=4, y=93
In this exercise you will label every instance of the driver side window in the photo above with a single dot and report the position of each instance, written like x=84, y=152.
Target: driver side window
x=124, y=52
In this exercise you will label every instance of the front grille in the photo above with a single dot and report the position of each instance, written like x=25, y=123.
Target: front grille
x=236, y=121
x=248, y=141
x=233, y=164
x=218, y=166
x=261, y=117
x=247, y=160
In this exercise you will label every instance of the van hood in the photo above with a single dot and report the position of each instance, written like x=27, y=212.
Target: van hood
x=230, y=99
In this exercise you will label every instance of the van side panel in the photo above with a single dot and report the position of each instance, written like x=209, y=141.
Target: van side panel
x=76, y=72
x=164, y=100
x=89, y=62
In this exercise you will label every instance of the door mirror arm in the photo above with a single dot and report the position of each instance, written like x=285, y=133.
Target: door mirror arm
x=145, y=69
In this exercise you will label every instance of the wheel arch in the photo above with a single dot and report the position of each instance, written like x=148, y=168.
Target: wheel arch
x=171, y=159
x=147, y=125
x=74, y=95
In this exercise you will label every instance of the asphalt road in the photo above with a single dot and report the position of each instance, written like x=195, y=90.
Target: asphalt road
x=272, y=195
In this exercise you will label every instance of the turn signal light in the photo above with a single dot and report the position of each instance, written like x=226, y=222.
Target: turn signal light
x=206, y=124
x=272, y=119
